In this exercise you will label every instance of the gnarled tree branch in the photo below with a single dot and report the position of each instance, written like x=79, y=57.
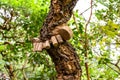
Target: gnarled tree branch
x=64, y=56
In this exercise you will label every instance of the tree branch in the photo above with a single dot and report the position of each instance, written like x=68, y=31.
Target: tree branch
x=74, y=18
x=116, y=64
x=86, y=9
x=113, y=69
x=86, y=44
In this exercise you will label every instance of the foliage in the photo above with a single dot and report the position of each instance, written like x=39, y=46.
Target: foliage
x=103, y=41
x=21, y=20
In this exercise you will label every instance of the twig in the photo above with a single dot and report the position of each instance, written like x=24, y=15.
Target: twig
x=116, y=64
x=26, y=61
x=9, y=69
x=86, y=44
x=24, y=67
x=77, y=27
x=20, y=69
x=113, y=69
x=86, y=9
x=24, y=75
x=75, y=22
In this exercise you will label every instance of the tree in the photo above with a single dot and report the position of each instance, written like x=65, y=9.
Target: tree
x=64, y=56
x=21, y=20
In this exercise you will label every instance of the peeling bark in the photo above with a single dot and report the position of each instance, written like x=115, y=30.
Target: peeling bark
x=64, y=56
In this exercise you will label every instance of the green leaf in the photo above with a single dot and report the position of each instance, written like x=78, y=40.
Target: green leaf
x=2, y=47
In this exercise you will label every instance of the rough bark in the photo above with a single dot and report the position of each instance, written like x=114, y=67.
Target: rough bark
x=60, y=12
x=66, y=62
x=64, y=56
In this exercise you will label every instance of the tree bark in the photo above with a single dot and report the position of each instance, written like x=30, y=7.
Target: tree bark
x=66, y=62
x=64, y=56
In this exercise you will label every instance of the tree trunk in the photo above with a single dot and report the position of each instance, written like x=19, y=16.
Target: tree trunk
x=66, y=62
x=64, y=56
